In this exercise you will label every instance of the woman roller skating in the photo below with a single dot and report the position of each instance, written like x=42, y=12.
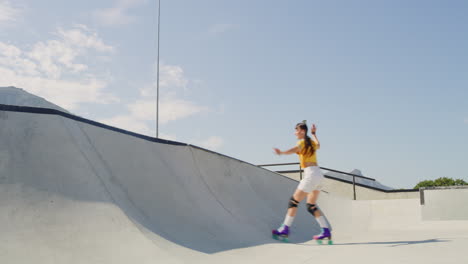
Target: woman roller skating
x=308, y=187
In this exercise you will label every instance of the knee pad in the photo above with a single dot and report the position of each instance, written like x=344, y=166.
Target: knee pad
x=292, y=203
x=312, y=208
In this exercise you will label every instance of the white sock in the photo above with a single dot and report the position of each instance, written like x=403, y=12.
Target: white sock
x=288, y=220
x=322, y=222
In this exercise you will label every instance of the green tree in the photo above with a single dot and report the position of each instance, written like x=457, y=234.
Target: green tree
x=443, y=181
x=459, y=182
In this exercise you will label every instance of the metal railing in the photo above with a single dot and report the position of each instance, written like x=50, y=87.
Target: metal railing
x=323, y=168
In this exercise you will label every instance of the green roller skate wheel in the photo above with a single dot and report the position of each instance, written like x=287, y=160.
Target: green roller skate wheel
x=320, y=242
x=281, y=238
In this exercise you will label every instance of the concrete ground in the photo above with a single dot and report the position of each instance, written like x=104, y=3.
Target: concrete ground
x=377, y=247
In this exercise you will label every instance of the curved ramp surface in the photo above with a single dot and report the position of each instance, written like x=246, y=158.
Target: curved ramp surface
x=75, y=192
x=62, y=174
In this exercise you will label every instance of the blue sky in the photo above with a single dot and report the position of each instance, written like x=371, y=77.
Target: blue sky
x=386, y=82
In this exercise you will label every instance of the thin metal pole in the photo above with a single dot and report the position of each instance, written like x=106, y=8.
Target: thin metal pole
x=354, y=187
x=421, y=196
x=300, y=172
x=157, y=72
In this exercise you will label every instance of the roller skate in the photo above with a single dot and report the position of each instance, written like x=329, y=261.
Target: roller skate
x=281, y=235
x=326, y=234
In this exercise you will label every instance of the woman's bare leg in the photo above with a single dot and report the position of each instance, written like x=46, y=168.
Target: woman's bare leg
x=312, y=207
x=298, y=196
x=312, y=199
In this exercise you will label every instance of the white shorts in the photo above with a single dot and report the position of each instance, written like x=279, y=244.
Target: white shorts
x=312, y=180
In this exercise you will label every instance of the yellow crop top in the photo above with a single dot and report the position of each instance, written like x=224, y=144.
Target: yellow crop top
x=303, y=157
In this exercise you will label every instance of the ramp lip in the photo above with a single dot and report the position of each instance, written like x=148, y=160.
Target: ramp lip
x=245, y=162
x=50, y=111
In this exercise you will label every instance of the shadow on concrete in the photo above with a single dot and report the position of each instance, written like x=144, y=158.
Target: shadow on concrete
x=395, y=243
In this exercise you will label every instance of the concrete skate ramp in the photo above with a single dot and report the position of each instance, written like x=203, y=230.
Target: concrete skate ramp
x=66, y=183
x=76, y=191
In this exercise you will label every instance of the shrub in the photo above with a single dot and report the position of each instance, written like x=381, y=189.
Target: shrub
x=443, y=181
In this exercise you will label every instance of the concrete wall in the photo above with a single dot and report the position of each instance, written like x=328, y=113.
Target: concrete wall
x=345, y=190
x=397, y=214
x=445, y=204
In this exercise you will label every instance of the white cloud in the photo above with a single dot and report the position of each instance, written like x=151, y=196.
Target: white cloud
x=83, y=37
x=8, y=13
x=41, y=70
x=171, y=80
x=13, y=58
x=54, y=56
x=211, y=143
x=169, y=110
x=221, y=28
x=168, y=136
x=172, y=76
x=173, y=106
x=65, y=93
x=143, y=109
x=175, y=109
x=118, y=14
x=9, y=50
x=129, y=123
x=113, y=16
